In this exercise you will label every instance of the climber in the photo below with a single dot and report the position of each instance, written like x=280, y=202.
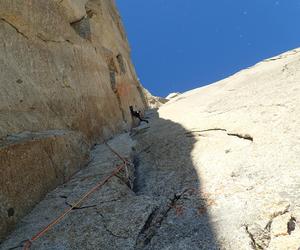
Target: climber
x=137, y=115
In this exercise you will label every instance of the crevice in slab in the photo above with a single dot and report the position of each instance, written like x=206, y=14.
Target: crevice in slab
x=241, y=136
x=206, y=130
x=39, y=36
x=254, y=244
x=78, y=208
x=46, y=40
x=13, y=26
x=155, y=220
x=114, y=71
x=136, y=184
x=75, y=208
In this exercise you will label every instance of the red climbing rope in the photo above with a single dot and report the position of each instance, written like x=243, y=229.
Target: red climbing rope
x=125, y=161
x=28, y=243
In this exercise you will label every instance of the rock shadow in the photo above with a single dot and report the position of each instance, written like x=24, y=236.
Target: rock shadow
x=165, y=172
x=165, y=210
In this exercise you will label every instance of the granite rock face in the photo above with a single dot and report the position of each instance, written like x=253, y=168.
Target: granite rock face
x=216, y=168
x=245, y=132
x=57, y=74
x=64, y=66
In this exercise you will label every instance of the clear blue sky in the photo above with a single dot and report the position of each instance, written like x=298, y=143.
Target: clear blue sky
x=178, y=45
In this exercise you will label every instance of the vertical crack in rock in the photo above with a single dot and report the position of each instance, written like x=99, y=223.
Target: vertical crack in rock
x=254, y=244
x=121, y=108
x=154, y=221
x=113, y=72
x=136, y=184
x=138, y=175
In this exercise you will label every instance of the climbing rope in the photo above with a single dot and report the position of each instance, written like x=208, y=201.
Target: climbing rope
x=125, y=161
x=28, y=243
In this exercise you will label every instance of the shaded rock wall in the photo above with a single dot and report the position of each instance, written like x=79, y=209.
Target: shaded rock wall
x=64, y=66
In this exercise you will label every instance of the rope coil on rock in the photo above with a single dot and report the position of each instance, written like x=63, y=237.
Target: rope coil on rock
x=28, y=243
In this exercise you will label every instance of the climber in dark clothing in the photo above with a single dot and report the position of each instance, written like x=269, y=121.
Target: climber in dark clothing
x=137, y=115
